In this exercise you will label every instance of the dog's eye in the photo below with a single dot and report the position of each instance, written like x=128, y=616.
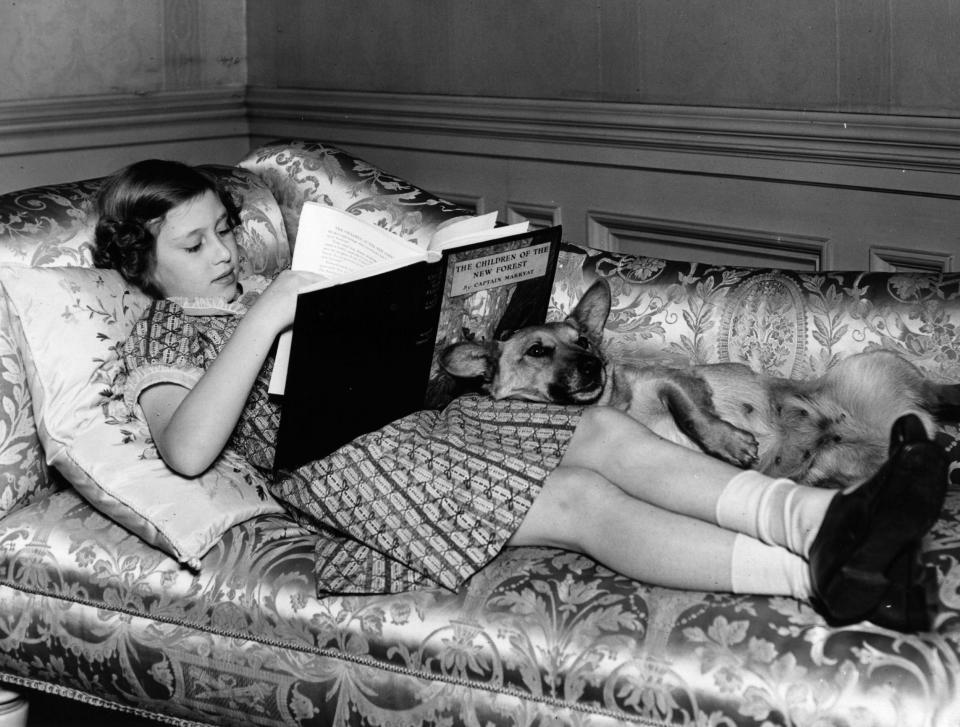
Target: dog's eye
x=538, y=350
x=583, y=342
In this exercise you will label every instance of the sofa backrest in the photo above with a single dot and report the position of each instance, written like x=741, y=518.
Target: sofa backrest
x=786, y=323
x=297, y=171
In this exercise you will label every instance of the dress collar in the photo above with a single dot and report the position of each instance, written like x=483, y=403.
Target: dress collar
x=250, y=289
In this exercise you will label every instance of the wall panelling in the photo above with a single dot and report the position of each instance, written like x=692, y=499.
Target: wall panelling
x=894, y=57
x=89, y=86
x=790, y=189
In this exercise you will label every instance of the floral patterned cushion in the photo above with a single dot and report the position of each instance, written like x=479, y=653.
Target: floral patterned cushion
x=70, y=324
x=297, y=171
x=53, y=226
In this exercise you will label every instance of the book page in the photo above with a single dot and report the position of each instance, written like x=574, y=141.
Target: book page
x=335, y=243
x=460, y=227
x=463, y=238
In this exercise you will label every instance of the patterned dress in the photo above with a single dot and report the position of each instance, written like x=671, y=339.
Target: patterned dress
x=424, y=502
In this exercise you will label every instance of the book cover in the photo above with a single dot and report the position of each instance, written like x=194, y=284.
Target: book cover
x=364, y=352
x=487, y=290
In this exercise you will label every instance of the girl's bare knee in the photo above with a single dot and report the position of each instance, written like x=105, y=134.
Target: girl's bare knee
x=566, y=509
x=599, y=419
x=602, y=430
x=566, y=487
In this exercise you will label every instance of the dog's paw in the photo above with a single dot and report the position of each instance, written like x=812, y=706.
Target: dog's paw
x=739, y=447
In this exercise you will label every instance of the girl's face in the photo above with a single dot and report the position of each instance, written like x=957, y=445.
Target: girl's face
x=197, y=254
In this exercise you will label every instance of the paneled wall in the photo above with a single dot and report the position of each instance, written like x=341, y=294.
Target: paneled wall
x=816, y=135
x=865, y=56
x=811, y=135
x=88, y=86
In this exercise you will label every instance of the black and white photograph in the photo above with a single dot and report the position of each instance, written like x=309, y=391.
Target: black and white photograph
x=490, y=363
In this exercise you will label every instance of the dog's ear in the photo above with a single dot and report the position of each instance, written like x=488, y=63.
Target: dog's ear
x=468, y=360
x=590, y=314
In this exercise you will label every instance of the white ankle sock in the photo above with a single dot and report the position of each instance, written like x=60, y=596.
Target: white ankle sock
x=767, y=570
x=774, y=511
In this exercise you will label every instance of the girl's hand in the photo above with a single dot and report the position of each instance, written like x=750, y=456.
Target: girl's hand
x=276, y=306
x=192, y=426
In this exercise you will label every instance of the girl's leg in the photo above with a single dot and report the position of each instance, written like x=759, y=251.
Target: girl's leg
x=688, y=482
x=646, y=465
x=852, y=539
x=580, y=510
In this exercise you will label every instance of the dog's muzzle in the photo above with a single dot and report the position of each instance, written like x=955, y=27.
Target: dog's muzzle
x=583, y=383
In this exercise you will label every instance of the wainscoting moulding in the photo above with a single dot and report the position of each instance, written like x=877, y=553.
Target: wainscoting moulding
x=705, y=243
x=907, y=155
x=901, y=154
x=73, y=138
x=815, y=191
x=87, y=122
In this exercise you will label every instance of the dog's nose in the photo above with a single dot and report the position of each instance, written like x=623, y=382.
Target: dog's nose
x=588, y=366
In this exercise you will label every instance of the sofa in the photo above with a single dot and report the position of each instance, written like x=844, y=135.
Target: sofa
x=193, y=602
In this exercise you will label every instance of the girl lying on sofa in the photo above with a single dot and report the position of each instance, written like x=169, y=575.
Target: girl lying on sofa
x=429, y=500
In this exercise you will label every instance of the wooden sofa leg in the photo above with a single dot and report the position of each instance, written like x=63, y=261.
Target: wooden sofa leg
x=13, y=708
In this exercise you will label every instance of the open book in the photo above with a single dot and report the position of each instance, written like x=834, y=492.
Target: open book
x=365, y=342
x=343, y=247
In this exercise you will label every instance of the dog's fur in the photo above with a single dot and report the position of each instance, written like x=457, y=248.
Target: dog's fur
x=831, y=431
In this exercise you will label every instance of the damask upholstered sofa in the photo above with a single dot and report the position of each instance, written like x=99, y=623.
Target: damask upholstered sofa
x=192, y=601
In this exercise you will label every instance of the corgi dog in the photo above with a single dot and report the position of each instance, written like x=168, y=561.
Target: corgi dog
x=831, y=431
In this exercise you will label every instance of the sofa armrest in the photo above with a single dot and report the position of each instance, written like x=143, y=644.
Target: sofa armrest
x=297, y=171
x=24, y=474
x=262, y=235
x=48, y=225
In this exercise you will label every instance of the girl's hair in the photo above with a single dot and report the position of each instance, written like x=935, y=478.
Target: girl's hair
x=131, y=205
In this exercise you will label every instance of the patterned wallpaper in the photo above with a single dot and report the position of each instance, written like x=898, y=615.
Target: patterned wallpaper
x=57, y=48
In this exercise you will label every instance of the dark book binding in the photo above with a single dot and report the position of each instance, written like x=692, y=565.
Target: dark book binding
x=364, y=353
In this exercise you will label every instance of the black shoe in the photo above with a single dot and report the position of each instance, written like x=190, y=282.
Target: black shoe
x=906, y=429
x=908, y=604
x=866, y=529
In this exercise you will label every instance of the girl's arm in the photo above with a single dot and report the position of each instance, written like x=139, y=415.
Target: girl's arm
x=192, y=426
